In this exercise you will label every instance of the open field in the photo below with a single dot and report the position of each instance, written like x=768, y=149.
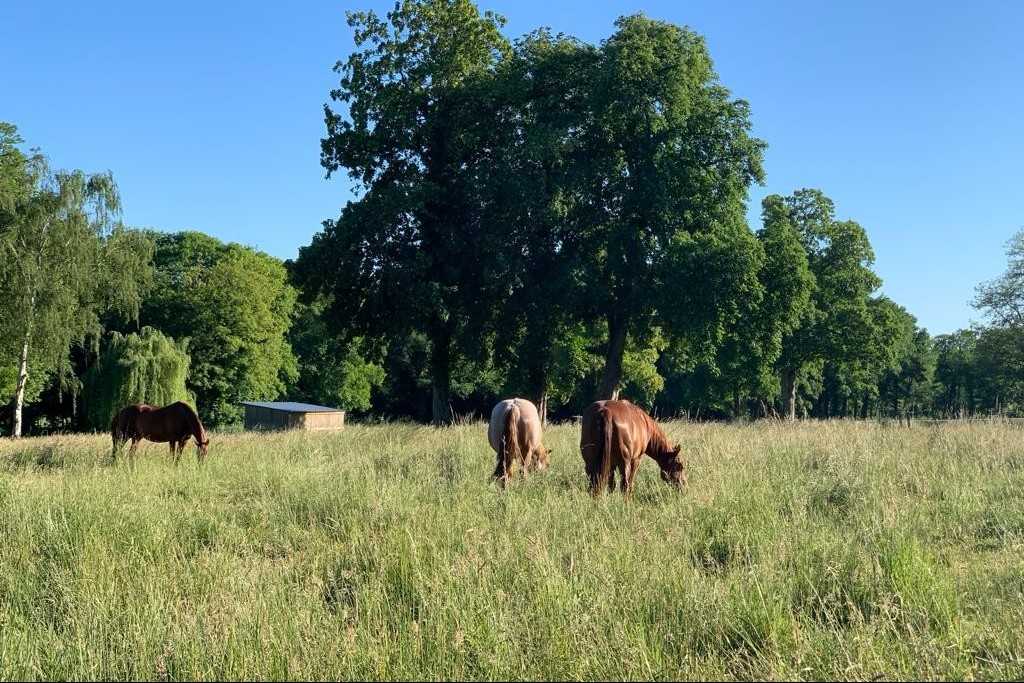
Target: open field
x=813, y=551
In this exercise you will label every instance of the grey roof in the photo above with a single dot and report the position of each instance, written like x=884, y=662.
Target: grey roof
x=291, y=406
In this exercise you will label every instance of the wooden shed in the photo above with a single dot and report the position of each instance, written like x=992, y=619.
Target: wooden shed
x=275, y=415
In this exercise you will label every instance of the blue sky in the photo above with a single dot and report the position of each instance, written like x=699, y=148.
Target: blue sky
x=909, y=115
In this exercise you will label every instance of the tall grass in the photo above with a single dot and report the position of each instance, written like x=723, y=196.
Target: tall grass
x=815, y=551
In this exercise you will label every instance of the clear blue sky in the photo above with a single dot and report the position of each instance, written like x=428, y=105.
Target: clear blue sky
x=909, y=115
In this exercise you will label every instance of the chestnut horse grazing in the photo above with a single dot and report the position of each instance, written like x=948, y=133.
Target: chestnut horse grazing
x=515, y=436
x=173, y=424
x=616, y=435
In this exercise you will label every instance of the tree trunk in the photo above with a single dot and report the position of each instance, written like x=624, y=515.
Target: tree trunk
x=440, y=376
x=789, y=394
x=19, y=394
x=735, y=403
x=612, y=376
x=537, y=379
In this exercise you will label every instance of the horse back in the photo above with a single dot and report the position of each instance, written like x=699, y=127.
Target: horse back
x=632, y=426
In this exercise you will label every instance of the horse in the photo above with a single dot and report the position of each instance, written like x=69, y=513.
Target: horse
x=515, y=436
x=173, y=424
x=616, y=435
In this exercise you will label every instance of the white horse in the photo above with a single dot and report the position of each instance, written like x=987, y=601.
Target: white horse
x=515, y=436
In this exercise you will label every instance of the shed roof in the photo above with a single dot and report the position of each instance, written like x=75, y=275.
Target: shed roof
x=291, y=407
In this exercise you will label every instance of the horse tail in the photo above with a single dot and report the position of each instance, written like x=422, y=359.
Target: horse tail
x=510, y=448
x=606, y=453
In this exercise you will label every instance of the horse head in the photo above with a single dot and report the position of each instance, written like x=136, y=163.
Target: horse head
x=673, y=468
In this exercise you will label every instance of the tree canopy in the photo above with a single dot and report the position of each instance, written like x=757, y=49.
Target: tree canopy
x=64, y=261
x=144, y=367
x=234, y=305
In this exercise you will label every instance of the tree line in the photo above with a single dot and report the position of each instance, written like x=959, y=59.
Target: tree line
x=543, y=217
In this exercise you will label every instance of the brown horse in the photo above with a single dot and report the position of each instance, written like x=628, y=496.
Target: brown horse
x=173, y=424
x=616, y=435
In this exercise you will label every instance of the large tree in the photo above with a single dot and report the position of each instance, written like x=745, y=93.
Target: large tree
x=407, y=255
x=746, y=358
x=532, y=197
x=234, y=306
x=838, y=324
x=670, y=159
x=64, y=261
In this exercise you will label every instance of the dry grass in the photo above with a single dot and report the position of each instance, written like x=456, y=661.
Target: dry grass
x=822, y=550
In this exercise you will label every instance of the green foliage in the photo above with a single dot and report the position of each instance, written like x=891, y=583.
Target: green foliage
x=235, y=305
x=64, y=262
x=147, y=367
x=1002, y=299
x=14, y=172
x=330, y=372
x=38, y=379
x=405, y=257
x=956, y=373
x=672, y=155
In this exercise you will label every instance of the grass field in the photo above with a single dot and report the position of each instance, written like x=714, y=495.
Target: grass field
x=821, y=550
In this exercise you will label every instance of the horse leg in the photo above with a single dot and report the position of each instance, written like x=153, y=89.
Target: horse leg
x=628, y=475
x=593, y=467
x=131, y=452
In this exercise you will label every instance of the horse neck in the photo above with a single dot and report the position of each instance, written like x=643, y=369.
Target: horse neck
x=197, y=427
x=658, y=446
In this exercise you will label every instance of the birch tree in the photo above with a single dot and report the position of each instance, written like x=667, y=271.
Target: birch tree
x=59, y=243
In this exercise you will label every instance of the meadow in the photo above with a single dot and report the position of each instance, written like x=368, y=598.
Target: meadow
x=818, y=550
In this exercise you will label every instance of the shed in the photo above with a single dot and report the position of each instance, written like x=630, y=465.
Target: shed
x=275, y=415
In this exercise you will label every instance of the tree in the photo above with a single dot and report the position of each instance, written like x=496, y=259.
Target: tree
x=234, y=305
x=58, y=247
x=406, y=256
x=837, y=324
x=15, y=179
x=1000, y=345
x=958, y=387
x=1002, y=299
x=768, y=313
x=999, y=358
x=330, y=372
x=148, y=367
x=531, y=196
x=670, y=161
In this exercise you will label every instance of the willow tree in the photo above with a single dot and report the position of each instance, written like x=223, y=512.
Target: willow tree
x=148, y=367
x=64, y=261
